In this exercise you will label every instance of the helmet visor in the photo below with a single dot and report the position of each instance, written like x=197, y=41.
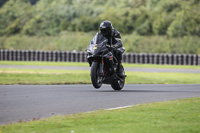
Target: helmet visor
x=105, y=31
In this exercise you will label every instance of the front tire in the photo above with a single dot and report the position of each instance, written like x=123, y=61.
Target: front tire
x=96, y=78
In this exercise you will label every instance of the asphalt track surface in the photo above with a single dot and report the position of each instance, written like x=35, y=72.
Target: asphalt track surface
x=134, y=69
x=27, y=102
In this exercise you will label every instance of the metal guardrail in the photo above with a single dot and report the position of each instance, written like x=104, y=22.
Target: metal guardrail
x=67, y=56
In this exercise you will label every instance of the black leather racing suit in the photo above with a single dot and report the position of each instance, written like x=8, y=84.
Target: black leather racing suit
x=114, y=39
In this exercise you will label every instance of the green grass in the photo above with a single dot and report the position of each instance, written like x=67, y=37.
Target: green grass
x=38, y=63
x=177, y=116
x=32, y=76
x=87, y=65
x=162, y=78
x=160, y=66
x=46, y=76
x=40, y=76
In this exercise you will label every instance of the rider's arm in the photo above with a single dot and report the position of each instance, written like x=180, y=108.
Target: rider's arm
x=117, y=37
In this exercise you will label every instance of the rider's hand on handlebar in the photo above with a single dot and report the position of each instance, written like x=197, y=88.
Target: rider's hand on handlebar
x=113, y=47
x=110, y=47
x=107, y=45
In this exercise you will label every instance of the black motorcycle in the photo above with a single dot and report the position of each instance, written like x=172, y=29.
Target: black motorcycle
x=104, y=66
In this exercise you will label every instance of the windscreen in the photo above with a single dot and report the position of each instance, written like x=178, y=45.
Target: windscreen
x=94, y=40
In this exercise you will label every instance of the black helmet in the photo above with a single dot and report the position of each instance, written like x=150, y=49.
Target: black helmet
x=106, y=27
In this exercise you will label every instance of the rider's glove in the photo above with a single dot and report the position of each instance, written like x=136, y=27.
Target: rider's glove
x=114, y=47
x=107, y=45
x=111, y=47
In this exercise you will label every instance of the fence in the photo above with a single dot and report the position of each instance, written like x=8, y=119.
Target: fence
x=66, y=56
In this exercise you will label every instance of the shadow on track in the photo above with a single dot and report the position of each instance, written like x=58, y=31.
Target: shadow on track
x=123, y=91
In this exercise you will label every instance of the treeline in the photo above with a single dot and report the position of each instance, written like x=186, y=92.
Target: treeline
x=150, y=26
x=173, y=18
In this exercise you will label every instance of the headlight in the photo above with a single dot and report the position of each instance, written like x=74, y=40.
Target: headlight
x=92, y=49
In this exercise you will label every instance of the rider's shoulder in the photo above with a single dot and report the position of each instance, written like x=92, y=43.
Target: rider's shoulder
x=115, y=32
x=98, y=33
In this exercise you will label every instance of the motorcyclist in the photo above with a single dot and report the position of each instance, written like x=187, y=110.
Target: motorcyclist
x=114, y=39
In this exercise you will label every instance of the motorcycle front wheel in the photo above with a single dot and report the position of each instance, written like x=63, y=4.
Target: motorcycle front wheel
x=96, y=78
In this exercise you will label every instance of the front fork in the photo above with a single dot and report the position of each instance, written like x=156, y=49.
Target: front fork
x=101, y=67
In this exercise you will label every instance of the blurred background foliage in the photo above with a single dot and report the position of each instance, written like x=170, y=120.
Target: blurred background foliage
x=151, y=26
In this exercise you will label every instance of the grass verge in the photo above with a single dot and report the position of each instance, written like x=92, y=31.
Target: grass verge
x=46, y=76
x=31, y=76
x=36, y=76
x=87, y=65
x=177, y=116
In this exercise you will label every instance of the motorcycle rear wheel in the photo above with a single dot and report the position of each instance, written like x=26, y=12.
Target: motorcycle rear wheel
x=96, y=78
x=118, y=84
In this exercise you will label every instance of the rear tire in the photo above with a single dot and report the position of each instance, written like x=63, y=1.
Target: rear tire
x=118, y=84
x=95, y=77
